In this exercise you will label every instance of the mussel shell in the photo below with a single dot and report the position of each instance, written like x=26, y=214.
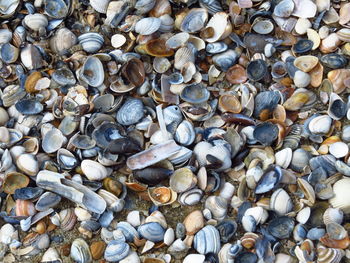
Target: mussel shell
x=216, y=47
x=28, y=193
x=265, y=103
x=281, y=227
x=29, y=107
x=266, y=133
x=123, y=146
x=227, y=229
x=47, y=200
x=152, y=175
x=303, y=46
x=334, y=61
x=269, y=180
x=257, y=69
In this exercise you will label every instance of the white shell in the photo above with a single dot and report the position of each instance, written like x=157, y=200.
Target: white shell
x=185, y=133
x=51, y=255
x=303, y=215
x=280, y=202
x=93, y=170
x=194, y=258
x=227, y=191
x=177, y=40
x=131, y=258
x=320, y=124
x=339, y=149
x=218, y=22
x=147, y=26
x=301, y=79
x=134, y=218
x=100, y=5
x=284, y=157
x=333, y=215
x=341, y=195
x=260, y=214
x=182, y=56
x=35, y=21
x=118, y=40
x=217, y=206
x=305, y=9
x=169, y=236
x=7, y=233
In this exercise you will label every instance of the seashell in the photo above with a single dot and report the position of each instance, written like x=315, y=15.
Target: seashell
x=337, y=77
x=194, y=258
x=132, y=257
x=195, y=93
x=118, y=40
x=144, y=6
x=36, y=22
x=157, y=48
x=236, y=75
x=178, y=40
x=185, y=133
x=53, y=140
x=28, y=164
x=182, y=180
x=182, y=56
x=314, y=37
x=93, y=170
x=92, y=72
x=100, y=6
x=191, y=197
x=63, y=40
x=80, y=251
x=219, y=22
x=300, y=160
x=97, y=249
x=344, y=34
x=265, y=133
x=207, y=240
x=278, y=70
x=339, y=149
x=195, y=20
x=226, y=59
x=308, y=9
x=128, y=230
x=336, y=231
x=320, y=124
x=169, y=236
x=28, y=193
x=152, y=231
x=333, y=215
x=227, y=229
x=340, y=195
x=14, y=181
x=31, y=57
x=216, y=47
x=344, y=16
x=167, y=23
x=67, y=219
x=281, y=227
x=131, y=105
x=332, y=243
x=162, y=195
x=217, y=206
x=24, y=208
x=306, y=63
x=91, y=42
x=284, y=157
x=302, y=46
x=7, y=233
x=256, y=69
x=303, y=215
x=147, y=26
x=284, y=8
x=325, y=254
x=330, y=43
x=5, y=36
x=193, y=222
x=262, y=26
x=9, y=53
x=280, y=202
x=56, y=8
x=334, y=61
x=51, y=255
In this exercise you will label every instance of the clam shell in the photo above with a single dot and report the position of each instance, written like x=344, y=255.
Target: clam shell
x=35, y=22
x=325, y=254
x=320, y=124
x=100, y=5
x=91, y=42
x=182, y=56
x=284, y=8
x=116, y=251
x=218, y=22
x=53, y=140
x=118, y=40
x=191, y=197
x=93, y=170
x=152, y=231
x=148, y=25
x=92, y=72
x=333, y=215
x=195, y=20
x=80, y=251
x=306, y=63
x=185, y=133
x=182, y=180
x=280, y=202
x=177, y=40
x=130, y=112
x=305, y=9
x=284, y=157
x=207, y=240
x=217, y=206
x=339, y=149
x=56, y=8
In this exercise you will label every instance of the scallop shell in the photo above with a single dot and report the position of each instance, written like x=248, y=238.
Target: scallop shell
x=182, y=56
x=100, y=5
x=341, y=195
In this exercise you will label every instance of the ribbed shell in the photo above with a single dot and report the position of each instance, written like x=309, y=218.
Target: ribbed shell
x=152, y=231
x=116, y=251
x=207, y=240
x=80, y=251
x=100, y=5
x=131, y=112
x=148, y=25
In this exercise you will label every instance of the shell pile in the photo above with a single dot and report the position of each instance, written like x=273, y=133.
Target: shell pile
x=163, y=131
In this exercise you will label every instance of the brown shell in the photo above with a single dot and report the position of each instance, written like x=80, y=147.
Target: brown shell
x=332, y=243
x=134, y=71
x=31, y=82
x=236, y=74
x=14, y=181
x=97, y=249
x=157, y=48
x=229, y=103
x=113, y=186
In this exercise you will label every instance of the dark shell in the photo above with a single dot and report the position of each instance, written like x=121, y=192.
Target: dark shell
x=334, y=61
x=226, y=229
x=266, y=133
x=56, y=8
x=256, y=69
x=302, y=46
x=107, y=132
x=195, y=93
x=176, y=78
x=255, y=42
x=152, y=175
x=211, y=258
x=215, y=48
x=269, y=180
x=123, y=146
x=338, y=108
x=246, y=257
x=29, y=107
x=83, y=142
x=47, y=200
x=90, y=225
x=291, y=69
x=67, y=161
x=27, y=193
x=238, y=118
x=213, y=6
x=134, y=71
x=317, y=175
x=327, y=162
x=265, y=103
x=281, y=227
